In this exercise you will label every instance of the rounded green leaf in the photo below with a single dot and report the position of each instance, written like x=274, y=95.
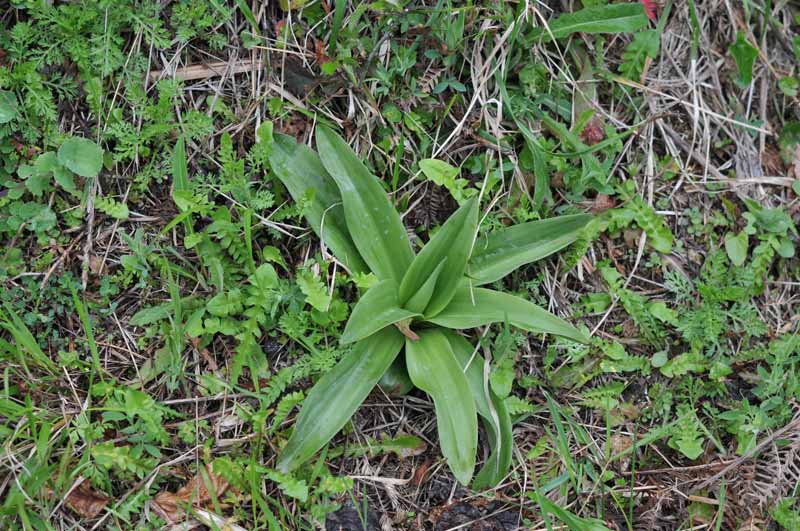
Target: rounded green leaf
x=500, y=252
x=307, y=181
x=81, y=156
x=395, y=381
x=491, y=408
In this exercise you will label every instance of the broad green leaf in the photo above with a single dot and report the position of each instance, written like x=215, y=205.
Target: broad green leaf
x=736, y=247
x=745, y=55
x=373, y=222
x=81, y=156
x=475, y=307
x=419, y=301
x=492, y=410
x=434, y=369
x=300, y=170
x=452, y=242
x=395, y=381
x=611, y=18
x=377, y=309
x=9, y=108
x=500, y=252
x=337, y=395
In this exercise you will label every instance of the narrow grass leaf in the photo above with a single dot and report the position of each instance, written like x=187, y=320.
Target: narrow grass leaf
x=492, y=410
x=500, y=252
x=452, y=242
x=372, y=220
x=434, y=369
x=377, y=309
x=24, y=340
x=471, y=308
x=337, y=395
x=307, y=181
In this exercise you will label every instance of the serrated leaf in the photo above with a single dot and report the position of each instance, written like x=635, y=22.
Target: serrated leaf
x=300, y=170
x=493, y=412
x=373, y=222
x=225, y=304
x=9, y=109
x=337, y=395
x=433, y=368
x=471, y=308
x=443, y=174
x=315, y=291
x=451, y=243
x=81, y=156
x=611, y=18
x=500, y=252
x=378, y=308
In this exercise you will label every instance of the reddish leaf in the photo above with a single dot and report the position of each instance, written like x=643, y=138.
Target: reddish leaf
x=196, y=492
x=650, y=8
x=85, y=501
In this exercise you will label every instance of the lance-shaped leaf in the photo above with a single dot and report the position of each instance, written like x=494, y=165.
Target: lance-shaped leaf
x=500, y=252
x=492, y=410
x=452, y=242
x=434, y=369
x=611, y=18
x=377, y=309
x=479, y=306
x=419, y=301
x=337, y=395
x=301, y=171
x=395, y=381
x=373, y=222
